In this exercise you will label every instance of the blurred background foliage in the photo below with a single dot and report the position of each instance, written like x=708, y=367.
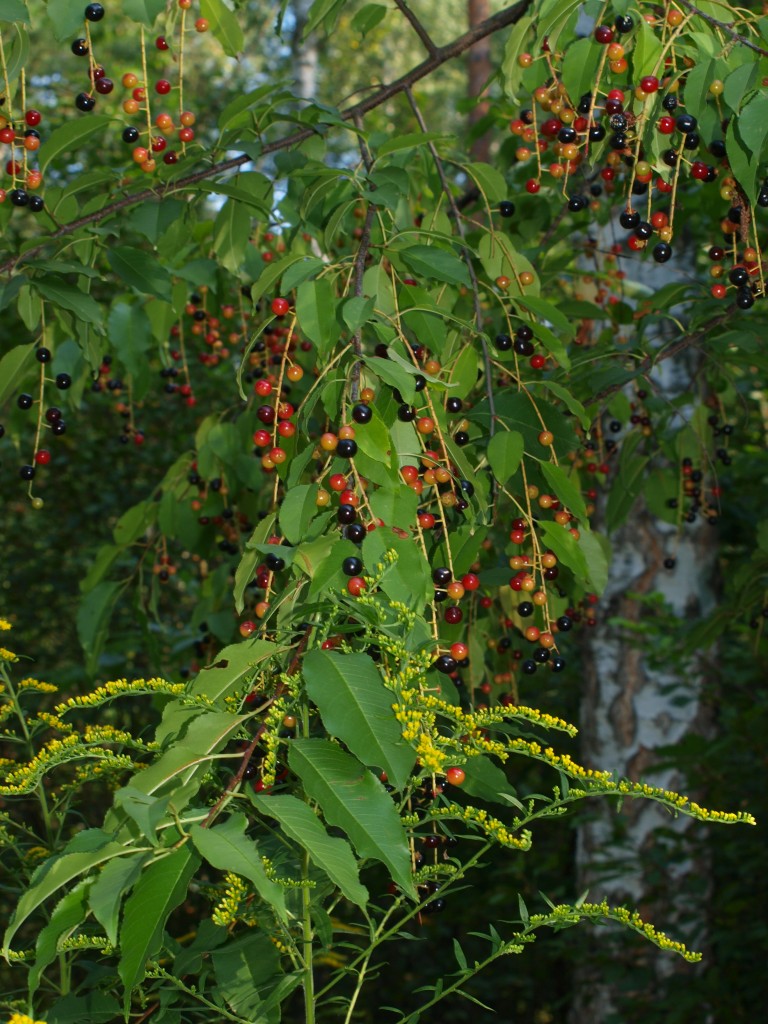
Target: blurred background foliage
x=45, y=556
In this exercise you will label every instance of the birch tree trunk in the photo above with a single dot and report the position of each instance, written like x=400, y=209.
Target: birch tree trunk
x=305, y=52
x=632, y=705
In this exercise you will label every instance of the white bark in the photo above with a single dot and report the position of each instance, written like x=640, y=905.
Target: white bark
x=630, y=708
x=304, y=52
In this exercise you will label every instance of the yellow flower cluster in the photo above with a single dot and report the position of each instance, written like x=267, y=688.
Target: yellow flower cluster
x=52, y=722
x=37, y=686
x=541, y=718
x=225, y=911
x=286, y=883
x=119, y=688
x=600, y=782
x=5, y=625
x=272, y=722
x=478, y=816
x=22, y=1018
x=55, y=752
x=6, y=655
x=631, y=919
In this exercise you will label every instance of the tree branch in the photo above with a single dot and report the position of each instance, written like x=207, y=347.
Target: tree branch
x=467, y=257
x=728, y=29
x=418, y=28
x=653, y=359
x=441, y=56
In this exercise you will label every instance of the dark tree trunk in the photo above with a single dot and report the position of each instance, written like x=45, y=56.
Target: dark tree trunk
x=479, y=67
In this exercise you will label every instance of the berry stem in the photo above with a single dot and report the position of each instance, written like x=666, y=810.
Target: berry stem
x=146, y=88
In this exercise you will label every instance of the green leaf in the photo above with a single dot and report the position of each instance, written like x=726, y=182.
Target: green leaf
x=334, y=856
x=353, y=799
x=499, y=257
x=93, y=617
x=243, y=970
x=272, y=273
x=141, y=270
x=740, y=81
x=505, y=453
x=744, y=162
x=181, y=766
x=69, y=912
x=565, y=489
x=356, y=707
x=394, y=374
x=228, y=848
x=410, y=140
x=161, y=888
x=484, y=779
x=56, y=872
x=144, y=11
x=356, y=311
x=224, y=25
x=511, y=72
x=648, y=50
x=68, y=297
x=580, y=66
x=231, y=234
x=13, y=366
x=233, y=666
x=107, y=893
x=434, y=264
x=368, y=17
x=566, y=547
x=626, y=485
x=147, y=811
x=133, y=523
x=409, y=579
x=316, y=312
x=72, y=135
x=597, y=552
x=14, y=10
x=131, y=335
x=753, y=123
x=66, y=20
x=297, y=512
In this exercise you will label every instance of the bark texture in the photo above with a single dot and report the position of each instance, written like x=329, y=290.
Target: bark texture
x=633, y=704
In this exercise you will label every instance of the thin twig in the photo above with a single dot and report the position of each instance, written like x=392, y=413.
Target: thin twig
x=237, y=778
x=645, y=366
x=467, y=257
x=728, y=29
x=443, y=54
x=359, y=266
x=418, y=28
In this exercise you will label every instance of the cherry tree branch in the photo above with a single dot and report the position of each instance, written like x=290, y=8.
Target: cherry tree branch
x=441, y=55
x=728, y=29
x=418, y=28
x=466, y=255
x=645, y=366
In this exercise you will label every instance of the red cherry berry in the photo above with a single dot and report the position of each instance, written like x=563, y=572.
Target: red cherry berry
x=33, y=118
x=247, y=628
x=649, y=84
x=42, y=457
x=537, y=362
x=163, y=87
x=532, y=186
x=161, y=43
x=666, y=125
x=280, y=306
x=604, y=34
x=356, y=585
x=455, y=776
